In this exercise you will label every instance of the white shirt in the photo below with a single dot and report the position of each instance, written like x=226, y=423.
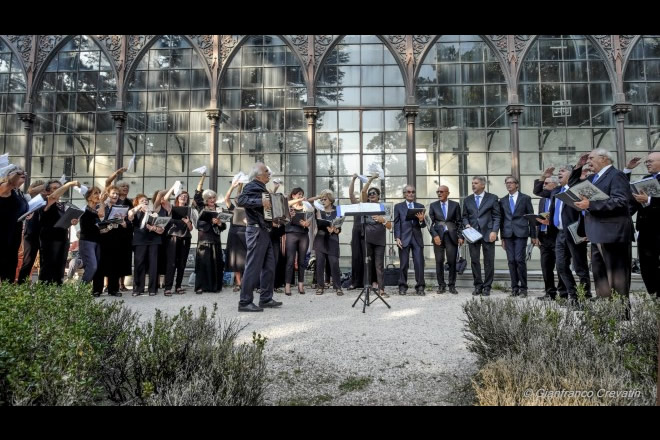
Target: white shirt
x=515, y=197
x=601, y=172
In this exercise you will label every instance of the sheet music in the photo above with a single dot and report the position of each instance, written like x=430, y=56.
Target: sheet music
x=361, y=209
x=650, y=186
x=472, y=235
x=117, y=212
x=34, y=204
x=71, y=213
x=588, y=190
x=572, y=228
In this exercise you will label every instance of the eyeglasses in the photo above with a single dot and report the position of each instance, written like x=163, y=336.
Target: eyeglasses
x=510, y=182
x=410, y=192
x=323, y=200
x=372, y=194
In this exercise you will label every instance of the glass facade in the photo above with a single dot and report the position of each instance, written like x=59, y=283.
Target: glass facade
x=12, y=97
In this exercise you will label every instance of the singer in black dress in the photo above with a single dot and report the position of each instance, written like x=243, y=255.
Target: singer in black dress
x=12, y=206
x=326, y=243
x=209, y=264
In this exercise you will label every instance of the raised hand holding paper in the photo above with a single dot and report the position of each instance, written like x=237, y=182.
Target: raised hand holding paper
x=200, y=170
x=63, y=179
x=131, y=162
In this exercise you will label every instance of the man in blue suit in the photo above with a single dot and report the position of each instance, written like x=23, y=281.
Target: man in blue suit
x=408, y=235
x=481, y=211
x=514, y=231
x=609, y=226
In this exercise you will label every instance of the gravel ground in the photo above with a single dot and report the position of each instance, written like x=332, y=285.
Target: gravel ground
x=322, y=351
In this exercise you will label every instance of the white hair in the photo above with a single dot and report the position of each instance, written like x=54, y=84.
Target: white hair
x=256, y=170
x=208, y=193
x=554, y=179
x=481, y=179
x=604, y=153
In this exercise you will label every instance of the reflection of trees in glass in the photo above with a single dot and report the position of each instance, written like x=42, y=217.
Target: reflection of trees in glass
x=332, y=75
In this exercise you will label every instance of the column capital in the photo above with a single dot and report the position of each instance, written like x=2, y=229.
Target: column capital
x=621, y=107
x=119, y=115
x=26, y=117
x=514, y=109
x=213, y=113
x=311, y=113
x=411, y=111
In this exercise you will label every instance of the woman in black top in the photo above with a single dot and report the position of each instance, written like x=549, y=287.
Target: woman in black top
x=161, y=205
x=326, y=243
x=178, y=246
x=124, y=235
x=209, y=264
x=90, y=237
x=375, y=235
x=146, y=242
x=236, y=241
x=297, y=241
x=54, y=242
x=114, y=239
x=12, y=206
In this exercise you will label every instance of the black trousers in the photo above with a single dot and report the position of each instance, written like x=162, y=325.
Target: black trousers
x=30, y=250
x=52, y=260
x=580, y=262
x=376, y=254
x=489, y=264
x=418, y=263
x=548, y=264
x=321, y=259
x=451, y=250
x=565, y=251
x=296, y=248
x=611, y=264
x=648, y=249
x=515, y=257
x=177, y=250
x=259, y=267
x=145, y=262
x=357, y=257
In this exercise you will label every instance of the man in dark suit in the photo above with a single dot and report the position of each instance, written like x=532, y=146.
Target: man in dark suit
x=547, y=235
x=408, y=235
x=446, y=218
x=515, y=229
x=608, y=226
x=481, y=211
x=648, y=219
x=566, y=250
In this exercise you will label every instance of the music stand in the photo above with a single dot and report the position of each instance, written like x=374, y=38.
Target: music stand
x=367, y=278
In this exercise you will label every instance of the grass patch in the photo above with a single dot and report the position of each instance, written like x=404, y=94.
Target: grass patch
x=354, y=383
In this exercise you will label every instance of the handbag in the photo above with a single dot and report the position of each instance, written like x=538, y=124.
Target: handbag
x=391, y=275
x=461, y=263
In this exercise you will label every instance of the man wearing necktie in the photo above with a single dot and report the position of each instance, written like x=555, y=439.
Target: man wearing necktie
x=547, y=234
x=481, y=211
x=648, y=219
x=609, y=227
x=446, y=218
x=515, y=229
x=408, y=236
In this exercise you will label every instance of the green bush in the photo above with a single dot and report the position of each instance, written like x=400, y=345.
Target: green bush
x=59, y=346
x=534, y=345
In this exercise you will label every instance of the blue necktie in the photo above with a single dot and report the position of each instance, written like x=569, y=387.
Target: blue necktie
x=595, y=178
x=512, y=205
x=477, y=199
x=444, y=213
x=411, y=206
x=547, y=207
x=555, y=218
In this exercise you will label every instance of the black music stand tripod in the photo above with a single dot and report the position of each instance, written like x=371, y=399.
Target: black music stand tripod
x=367, y=278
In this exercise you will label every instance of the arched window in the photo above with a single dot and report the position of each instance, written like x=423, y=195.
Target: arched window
x=462, y=128
x=12, y=97
x=262, y=94
x=167, y=126
x=642, y=89
x=568, y=96
x=73, y=131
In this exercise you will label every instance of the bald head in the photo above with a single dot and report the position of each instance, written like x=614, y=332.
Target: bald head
x=443, y=193
x=652, y=162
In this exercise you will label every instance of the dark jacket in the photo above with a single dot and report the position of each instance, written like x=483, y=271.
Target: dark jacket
x=486, y=219
x=453, y=223
x=250, y=199
x=516, y=225
x=648, y=218
x=406, y=230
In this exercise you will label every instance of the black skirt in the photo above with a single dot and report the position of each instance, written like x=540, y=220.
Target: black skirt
x=209, y=267
x=236, y=249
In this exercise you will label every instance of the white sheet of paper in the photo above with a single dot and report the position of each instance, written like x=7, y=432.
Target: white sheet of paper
x=131, y=162
x=375, y=168
x=200, y=170
x=177, y=188
x=241, y=177
x=63, y=179
x=82, y=190
x=318, y=205
x=363, y=179
x=4, y=160
x=8, y=169
x=307, y=207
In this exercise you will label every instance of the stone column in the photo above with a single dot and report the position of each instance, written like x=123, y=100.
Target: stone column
x=514, y=111
x=411, y=112
x=28, y=124
x=214, y=116
x=311, y=113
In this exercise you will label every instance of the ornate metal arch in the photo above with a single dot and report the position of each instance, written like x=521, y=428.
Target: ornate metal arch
x=383, y=38
x=609, y=66
x=237, y=46
x=488, y=41
x=50, y=45
x=21, y=46
x=631, y=43
x=138, y=45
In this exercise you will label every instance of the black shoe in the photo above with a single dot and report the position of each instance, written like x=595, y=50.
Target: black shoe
x=115, y=293
x=546, y=298
x=249, y=308
x=442, y=289
x=420, y=291
x=453, y=290
x=153, y=293
x=96, y=294
x=476, y=292
x=514, y=292
x=271, y=303
x=402, y=291
x=523, y=293
x=486, y=292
